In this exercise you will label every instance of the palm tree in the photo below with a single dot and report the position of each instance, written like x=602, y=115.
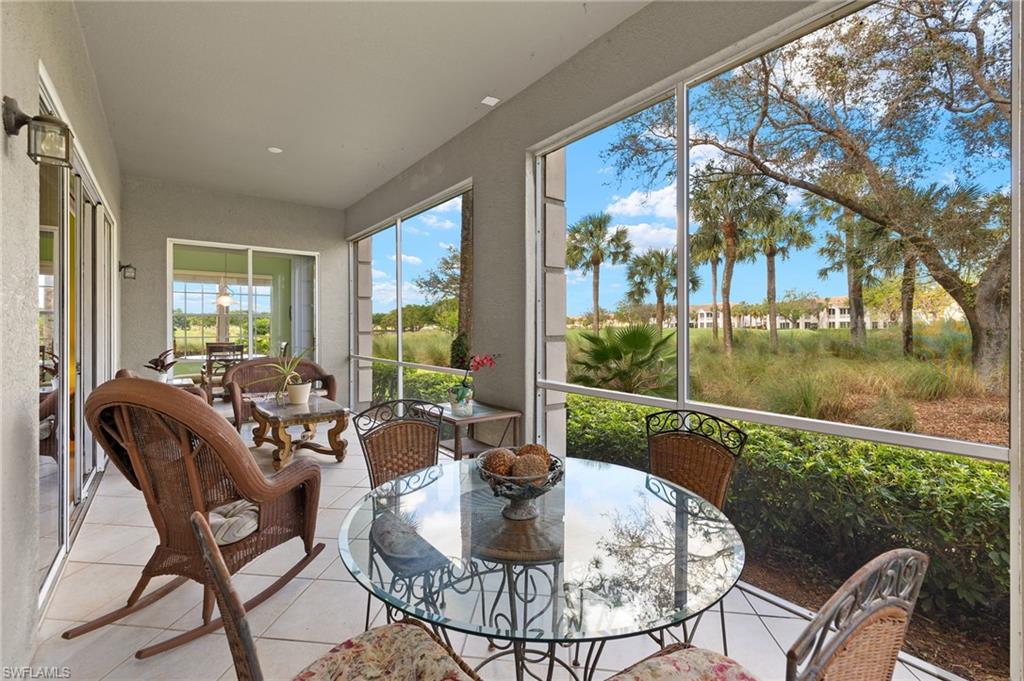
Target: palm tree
x=590, y=242
x=733, y=199
x=636, y=359
x=706, y=248
x=653, y=271
x=777, y=239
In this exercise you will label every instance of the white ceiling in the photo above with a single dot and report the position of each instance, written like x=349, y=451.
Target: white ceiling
x=353, y=92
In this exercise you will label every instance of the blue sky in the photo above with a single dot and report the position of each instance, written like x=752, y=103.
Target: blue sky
x=426, y=238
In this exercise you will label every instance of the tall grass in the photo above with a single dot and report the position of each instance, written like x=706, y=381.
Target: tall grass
x=428, y=346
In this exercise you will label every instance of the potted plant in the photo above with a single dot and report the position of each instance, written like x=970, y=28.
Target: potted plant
x=289, y=380
x=460, y=396
x=161, y=365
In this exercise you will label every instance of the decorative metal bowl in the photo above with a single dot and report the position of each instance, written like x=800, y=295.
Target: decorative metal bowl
x=521, y=491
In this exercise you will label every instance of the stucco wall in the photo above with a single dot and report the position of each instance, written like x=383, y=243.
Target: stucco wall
x=155, y=210
x=657, y=42
x=30, y=34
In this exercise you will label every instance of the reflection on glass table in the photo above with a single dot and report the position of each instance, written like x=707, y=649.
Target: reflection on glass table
x=614, y=552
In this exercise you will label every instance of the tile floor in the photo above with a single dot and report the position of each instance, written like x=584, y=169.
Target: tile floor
x=319, y=608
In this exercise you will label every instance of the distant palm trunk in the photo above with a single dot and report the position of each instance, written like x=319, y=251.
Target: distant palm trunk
x=731, y=250
x=907, y=287
x=714, y=299
x=597, y=299
x=855, y=290
x=773, y=328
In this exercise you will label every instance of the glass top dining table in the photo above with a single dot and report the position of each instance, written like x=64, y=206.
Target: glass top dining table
x=614, y=552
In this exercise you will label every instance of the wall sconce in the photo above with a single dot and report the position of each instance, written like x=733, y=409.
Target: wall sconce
x=127, y=271
x=49, y=138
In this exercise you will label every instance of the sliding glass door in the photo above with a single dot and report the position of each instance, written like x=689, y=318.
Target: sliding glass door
x=262, y=302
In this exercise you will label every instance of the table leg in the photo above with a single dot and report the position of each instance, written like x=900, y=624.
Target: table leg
x=259, y=433
x=457, y=447
x=308, y=431
x=337, y=443
x=280, y=437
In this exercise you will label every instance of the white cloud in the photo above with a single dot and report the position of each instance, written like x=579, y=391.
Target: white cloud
x=794, y=196
x=409, y=259
x=437, y=222
x=385, y=294
x=660, y=203
x=450, y=206
x=378, y=274
x=445, y=245
x=413, y=229
x=647, y=236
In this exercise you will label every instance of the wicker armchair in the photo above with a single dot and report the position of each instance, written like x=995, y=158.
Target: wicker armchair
x=697, y=451
x=185, y=458
x=402, y=650
x=858, y=633
x=398, y=437
x=254, y=378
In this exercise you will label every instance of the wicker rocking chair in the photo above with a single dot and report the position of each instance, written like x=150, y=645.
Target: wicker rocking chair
x=697, y=451
x=186, y=458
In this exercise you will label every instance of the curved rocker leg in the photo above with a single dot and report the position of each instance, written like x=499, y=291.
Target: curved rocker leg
x=135, y=603
x=213, y=625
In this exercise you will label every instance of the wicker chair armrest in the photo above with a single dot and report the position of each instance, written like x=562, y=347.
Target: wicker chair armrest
x=234, y=393
x=299, y=473
x=331, y=386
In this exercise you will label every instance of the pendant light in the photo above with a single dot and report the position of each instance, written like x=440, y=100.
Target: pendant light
x=225, y=299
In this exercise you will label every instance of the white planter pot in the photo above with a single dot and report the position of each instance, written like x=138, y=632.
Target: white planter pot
x=298, y=393
x=162, y=376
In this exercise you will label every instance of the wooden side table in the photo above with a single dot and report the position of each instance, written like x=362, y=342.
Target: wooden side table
x=468, y=445
x=273, y=419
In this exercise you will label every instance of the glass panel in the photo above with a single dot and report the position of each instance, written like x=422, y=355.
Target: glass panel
x=384, y=381
x=283, y=303
x=51, y=449
x=620, y=258
x=384, y=297
x=430, y=291
x=878, y=294
x=72, y=365
x=200, y=275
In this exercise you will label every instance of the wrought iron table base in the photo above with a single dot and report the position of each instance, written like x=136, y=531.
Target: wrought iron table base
x=523, y=657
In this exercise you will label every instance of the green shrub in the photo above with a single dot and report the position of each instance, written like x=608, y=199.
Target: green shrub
x=809, y=395
x=890, y=412
x=844, y=501
x=924, y=381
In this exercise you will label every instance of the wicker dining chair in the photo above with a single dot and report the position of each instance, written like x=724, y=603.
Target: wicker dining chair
x=405, y=649
x=859, y=631
x=697, y=451
x=255, y=378
x=186, y=458
x=398, y=437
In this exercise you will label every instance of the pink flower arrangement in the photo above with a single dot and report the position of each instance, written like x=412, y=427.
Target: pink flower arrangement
x=476, y=363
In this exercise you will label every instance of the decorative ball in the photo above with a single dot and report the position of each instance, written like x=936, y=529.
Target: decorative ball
x=531, y=465
x=535, y=450
x=499, y=461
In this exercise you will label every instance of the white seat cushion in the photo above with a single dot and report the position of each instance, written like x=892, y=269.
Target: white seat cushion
x=234, y=521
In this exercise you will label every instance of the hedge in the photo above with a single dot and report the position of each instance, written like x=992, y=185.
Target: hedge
x=845, y=501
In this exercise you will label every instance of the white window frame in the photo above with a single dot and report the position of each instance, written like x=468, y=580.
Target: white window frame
x=395, y=221
x=800, y=23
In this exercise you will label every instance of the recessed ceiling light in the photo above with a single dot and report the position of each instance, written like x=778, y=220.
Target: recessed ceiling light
x=489, y=101
x=275, y=150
